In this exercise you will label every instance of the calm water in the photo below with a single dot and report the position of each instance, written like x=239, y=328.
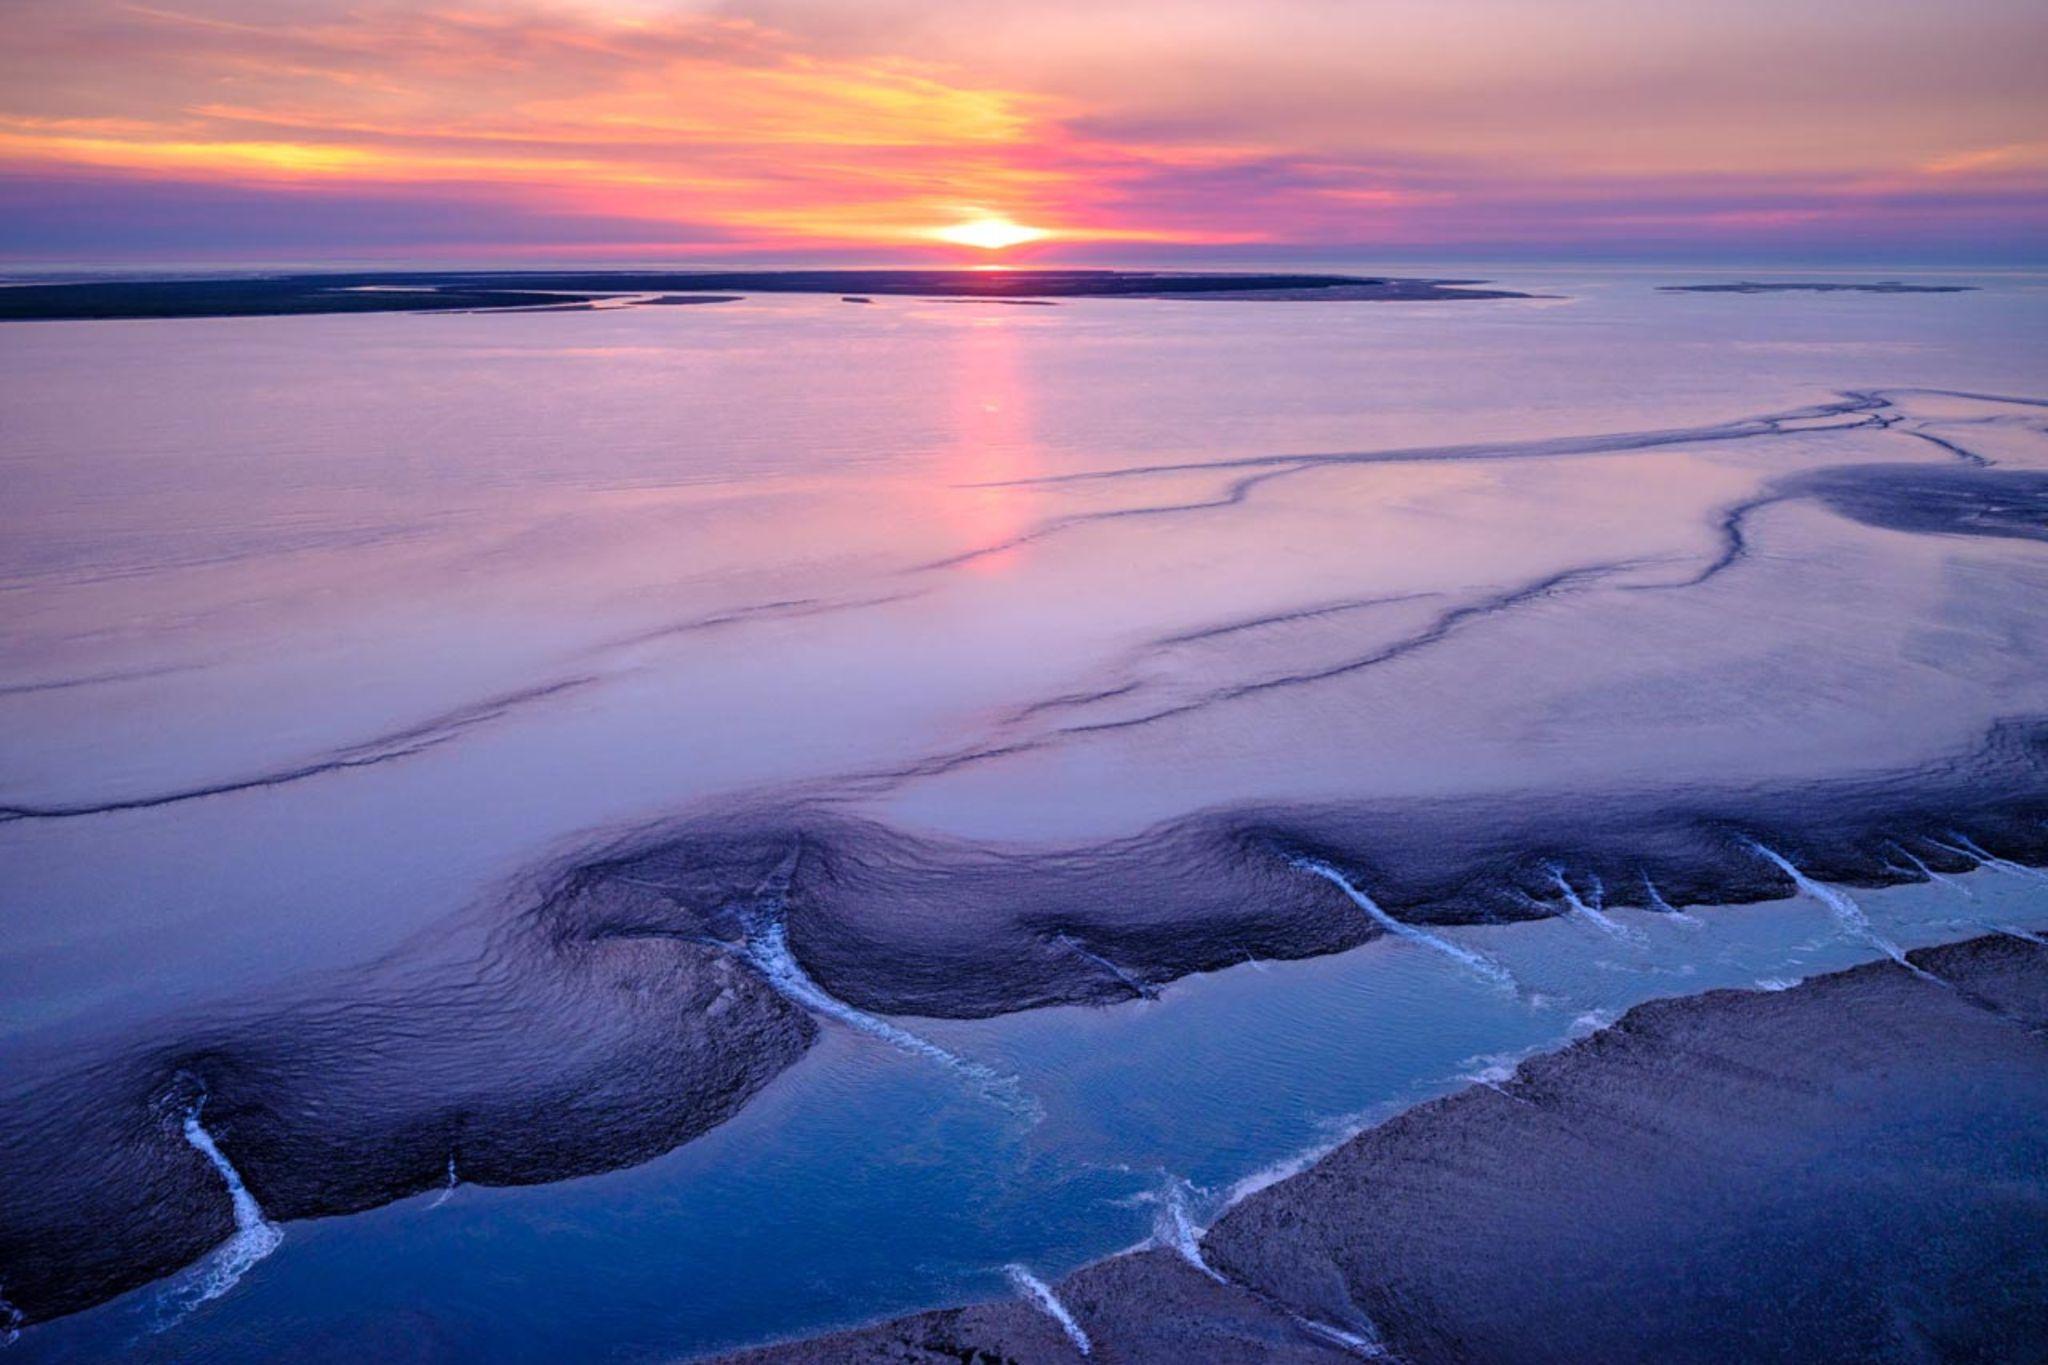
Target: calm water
x=867, y=1180
x=439, y=598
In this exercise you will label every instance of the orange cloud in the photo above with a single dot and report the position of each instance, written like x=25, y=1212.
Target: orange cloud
x=798, y=124
x=694, y=118
x=2014, y=156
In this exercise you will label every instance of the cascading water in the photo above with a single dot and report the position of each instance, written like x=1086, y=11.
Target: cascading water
x=11, y=1319
x=1957, y=885
x=1664, y=907
x=1591, y=911
x=1848, y=914
x=1990, y=859
x=767, y=950
x=254, y=1238
x=449, y=1188
x=1173, y=1224
x=1354, y=1342
x=1040, y=1295
x=1136, y=986
x=1173, y=1227
x=1477, y=963
x=1953, y=883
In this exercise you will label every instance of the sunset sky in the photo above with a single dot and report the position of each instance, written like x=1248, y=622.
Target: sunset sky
x=992, y=129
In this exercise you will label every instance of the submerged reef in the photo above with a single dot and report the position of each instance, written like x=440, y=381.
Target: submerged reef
x=1848, y=1169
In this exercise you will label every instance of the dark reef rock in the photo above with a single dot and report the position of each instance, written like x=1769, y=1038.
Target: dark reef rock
x=1933, y=500
x=1852, y=1169
x=562, y=1064
x=899, y=924
x=1143, y=1306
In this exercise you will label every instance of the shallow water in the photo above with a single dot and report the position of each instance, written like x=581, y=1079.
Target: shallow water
x=867, y=1180
x=238, y=549
x=322, y=634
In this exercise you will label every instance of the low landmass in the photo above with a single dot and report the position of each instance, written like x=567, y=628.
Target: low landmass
x=1850, y=1169
x=470, y=291
x=1814, y=287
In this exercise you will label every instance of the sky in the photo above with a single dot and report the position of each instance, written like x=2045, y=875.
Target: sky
x=737, y=130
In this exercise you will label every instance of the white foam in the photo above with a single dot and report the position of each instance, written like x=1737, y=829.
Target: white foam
x=1350, y=1341
x=1955, y=883
x=1664, y=907
x=1591, y=913
x=767, y=948
x=449, y=1188
x=1848, y=914
x=1989, y=859
x=1477, y=963
x=1340, y=1131
x=255, y=1236
x=1173, y=1225
x=1144, y=991
x=11, y=1319
x=1496, y=1070
x=1039, y=1293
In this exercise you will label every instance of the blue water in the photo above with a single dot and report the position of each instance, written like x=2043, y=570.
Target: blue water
x=870, y=1179
x=243, y=547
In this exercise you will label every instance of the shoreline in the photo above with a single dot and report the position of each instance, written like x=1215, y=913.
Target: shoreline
x=1696, y=1181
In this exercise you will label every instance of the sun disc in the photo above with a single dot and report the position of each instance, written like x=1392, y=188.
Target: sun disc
x=989, y=233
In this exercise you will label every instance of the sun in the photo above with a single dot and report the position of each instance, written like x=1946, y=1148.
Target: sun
x=989, y=233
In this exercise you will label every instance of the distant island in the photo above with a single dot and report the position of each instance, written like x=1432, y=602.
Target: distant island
x=1816, y=287
x=470, y=291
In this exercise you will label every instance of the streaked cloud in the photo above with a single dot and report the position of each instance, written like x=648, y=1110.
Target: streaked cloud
x=644, y=126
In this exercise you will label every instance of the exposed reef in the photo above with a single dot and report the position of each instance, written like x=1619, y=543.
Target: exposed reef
x=907, y=925
x=1941, y=500
x=1849, y=1169
x=643, y=995
x=527, y=1069
x=445, y=291
x=1812, y=287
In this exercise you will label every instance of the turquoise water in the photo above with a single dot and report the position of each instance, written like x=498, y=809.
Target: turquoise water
x=870, y=1180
